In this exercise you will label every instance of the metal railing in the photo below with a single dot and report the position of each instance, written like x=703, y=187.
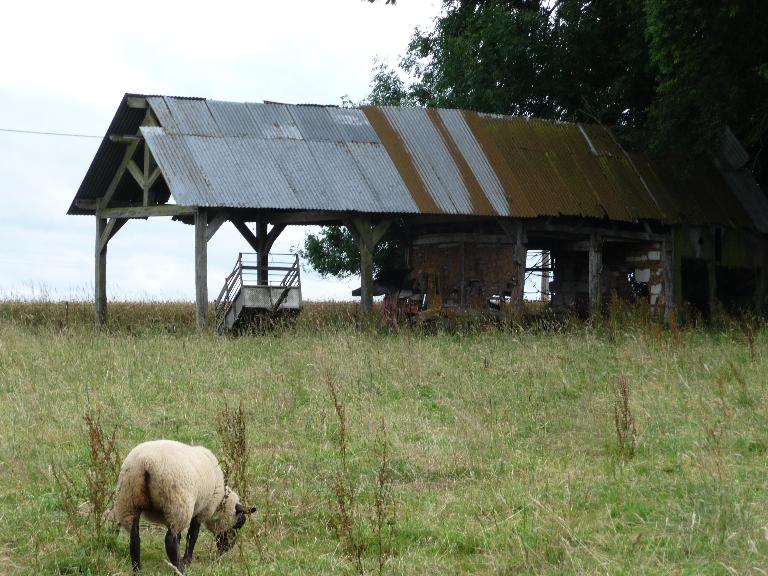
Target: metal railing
x=281, y=271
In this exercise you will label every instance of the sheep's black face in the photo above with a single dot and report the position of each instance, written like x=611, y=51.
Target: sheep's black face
x=226, y=540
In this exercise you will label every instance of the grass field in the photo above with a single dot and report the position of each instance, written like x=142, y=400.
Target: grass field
x=503, y=448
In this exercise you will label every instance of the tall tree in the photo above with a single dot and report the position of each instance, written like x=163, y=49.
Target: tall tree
x=665, y=74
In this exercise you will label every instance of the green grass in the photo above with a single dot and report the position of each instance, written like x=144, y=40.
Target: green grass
x=503, y=456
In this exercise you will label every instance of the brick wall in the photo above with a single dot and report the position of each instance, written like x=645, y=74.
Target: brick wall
x=475, y=270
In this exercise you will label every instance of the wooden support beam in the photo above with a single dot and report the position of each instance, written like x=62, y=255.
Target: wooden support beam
x=214, y=223
x=519, y=255
x=247, y=234
x=111, y=228
x=201, y=269
x=146, y=178
x=668, y=278
x=152, y=178
x=367, y=237
x=595, y=272
x=137, y=173
x=516, y=233
x=262, y=253
x=110, y=191
x=147, y=211
x=761, y=285
x=100, y=277
x=261, y=243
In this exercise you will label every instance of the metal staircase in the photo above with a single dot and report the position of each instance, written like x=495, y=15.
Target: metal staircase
x=245, y=300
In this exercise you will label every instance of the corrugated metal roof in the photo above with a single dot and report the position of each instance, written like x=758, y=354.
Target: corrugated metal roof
x=413, y=160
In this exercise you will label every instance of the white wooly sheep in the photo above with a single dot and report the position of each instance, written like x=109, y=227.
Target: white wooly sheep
x=181, y=487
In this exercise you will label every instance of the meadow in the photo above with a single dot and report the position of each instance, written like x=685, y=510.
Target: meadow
x=613, y=447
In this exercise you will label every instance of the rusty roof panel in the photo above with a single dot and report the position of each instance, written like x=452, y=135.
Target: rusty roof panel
x=485, y=134
x=410, y=160
x=432, y=159
x=477, y=161
x=274, y=122
x=401, y=159
x=353, y=125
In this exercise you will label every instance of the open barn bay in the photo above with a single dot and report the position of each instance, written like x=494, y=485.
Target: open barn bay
x=592, y=449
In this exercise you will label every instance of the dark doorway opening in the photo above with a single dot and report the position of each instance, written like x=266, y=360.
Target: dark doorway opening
x=735, y=288
x=695, y=285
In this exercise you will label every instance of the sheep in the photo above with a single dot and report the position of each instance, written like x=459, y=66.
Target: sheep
x=180, y=487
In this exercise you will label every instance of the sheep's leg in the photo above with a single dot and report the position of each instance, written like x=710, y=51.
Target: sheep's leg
x=135, y=545
x=172, y=547
x=194, y=530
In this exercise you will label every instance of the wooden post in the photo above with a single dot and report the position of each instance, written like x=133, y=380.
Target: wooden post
x=668, y=277
x=545, y=264
x=262, y=251
x=100, y=297
x=261, y=243
x=515, y=229
x=712, y=284
x=201, y=268
x=595, y=271
x=520, y=255
x=367, y=238
x=761, y=280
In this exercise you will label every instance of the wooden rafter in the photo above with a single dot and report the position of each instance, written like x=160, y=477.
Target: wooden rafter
x=127, y=158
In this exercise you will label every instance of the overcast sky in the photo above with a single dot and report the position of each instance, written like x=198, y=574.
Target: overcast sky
x=65, y=68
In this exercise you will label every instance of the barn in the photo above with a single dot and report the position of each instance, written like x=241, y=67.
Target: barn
x=470, y=195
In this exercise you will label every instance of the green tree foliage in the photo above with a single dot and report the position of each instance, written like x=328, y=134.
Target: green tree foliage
x=665, y=74
x=333, y=251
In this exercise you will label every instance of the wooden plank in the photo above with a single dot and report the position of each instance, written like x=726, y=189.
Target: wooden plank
x=136, y=102
x=87, y=203
x=201, y=269
x=124, y=138
x=306, y=217
x=110, y=191
x=100, y=274
x=147, y=211
x=595, y=271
